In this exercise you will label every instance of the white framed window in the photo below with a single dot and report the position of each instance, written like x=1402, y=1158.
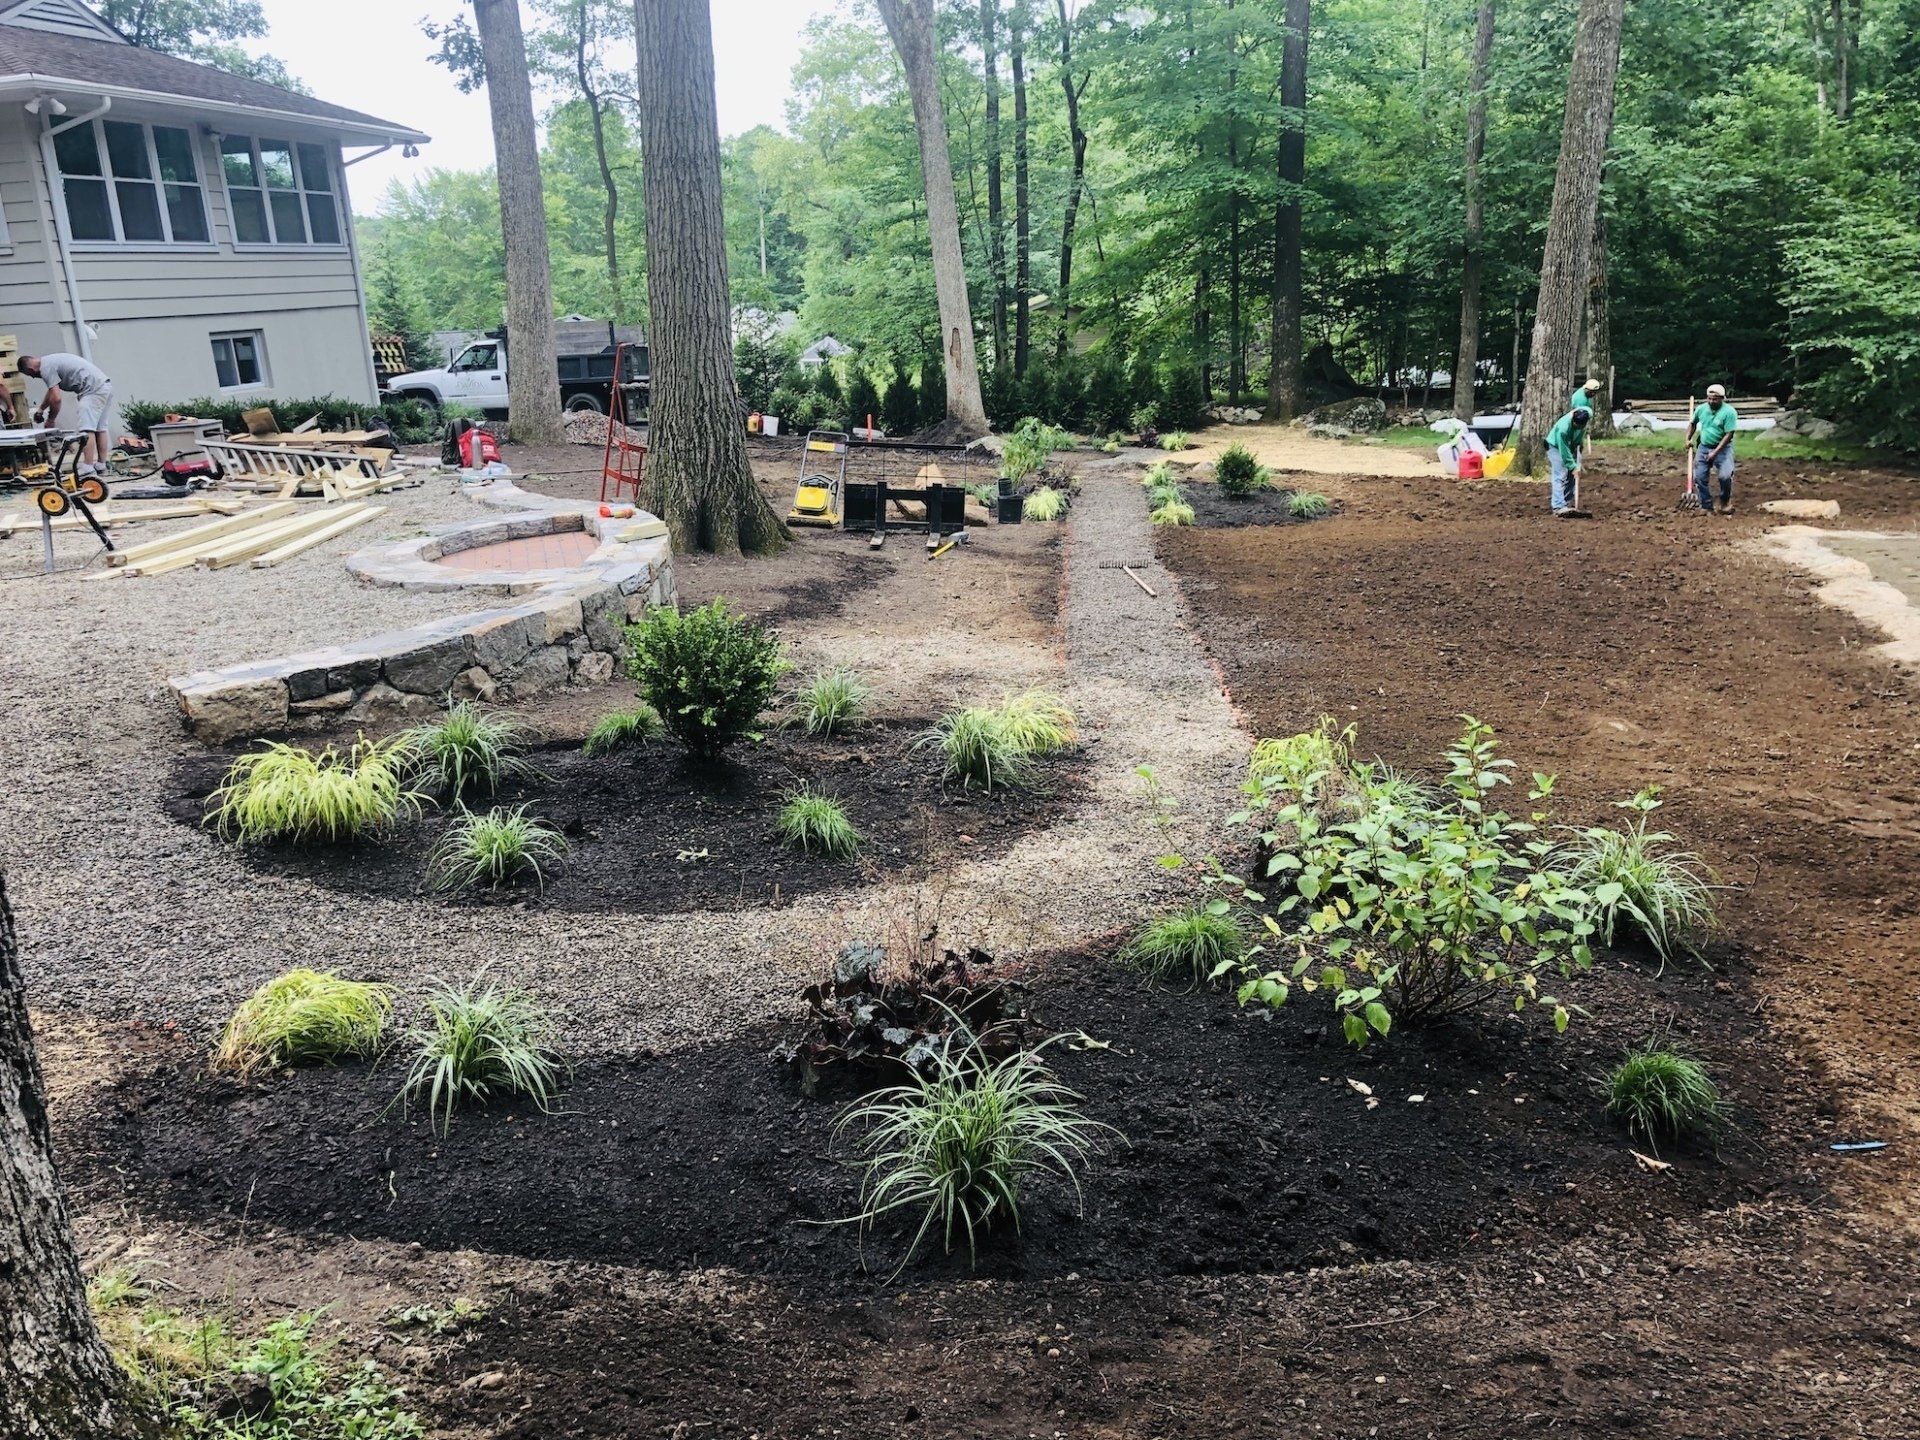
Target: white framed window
x=280, y=192
x=128, y=183
x=240, y=359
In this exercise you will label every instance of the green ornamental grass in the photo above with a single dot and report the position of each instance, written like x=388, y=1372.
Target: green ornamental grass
x=1659, y=1093
x=1641, y=886
x=1174, y=440
x=1173, y=512
x=468, y=752
x=1195, y=946
x=304, y=1015
x=817, y=825
x=1045, y=503
x=283, y=792
x=476, y=1041
x=625, y=729
x=833, y=700
x=1307, y=505
x=977, y=751
x=495, y=849
x=1038, y=722
x=961, y=1144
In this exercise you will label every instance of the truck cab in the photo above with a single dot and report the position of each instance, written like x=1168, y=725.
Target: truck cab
x=477, y=376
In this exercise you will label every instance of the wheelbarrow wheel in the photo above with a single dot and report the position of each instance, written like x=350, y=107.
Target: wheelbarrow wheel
x=53, y=502
x=93, y=489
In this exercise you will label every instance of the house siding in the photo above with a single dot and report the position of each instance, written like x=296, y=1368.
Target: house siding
x=154, y=310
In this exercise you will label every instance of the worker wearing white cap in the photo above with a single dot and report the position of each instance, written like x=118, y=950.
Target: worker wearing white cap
x=1711, y=436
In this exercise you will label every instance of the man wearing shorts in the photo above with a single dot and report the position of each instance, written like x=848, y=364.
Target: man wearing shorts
x=81, y=392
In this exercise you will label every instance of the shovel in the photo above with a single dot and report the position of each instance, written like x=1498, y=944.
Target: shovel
x=1574, y=512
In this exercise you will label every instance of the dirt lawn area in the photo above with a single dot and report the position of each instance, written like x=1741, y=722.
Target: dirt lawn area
x=1442, y=1235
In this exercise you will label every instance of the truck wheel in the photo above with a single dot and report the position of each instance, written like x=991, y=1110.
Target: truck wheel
x=426, y=398
x=586, y=405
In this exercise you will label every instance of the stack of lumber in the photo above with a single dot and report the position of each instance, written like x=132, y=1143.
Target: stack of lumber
x=112, y=516
x=13, y=385
x=1679, y=412
x=263, y=537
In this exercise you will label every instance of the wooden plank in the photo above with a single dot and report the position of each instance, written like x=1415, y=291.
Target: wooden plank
x=347, y=520
x=113, y=517
x=186, y=539
x=248, y=544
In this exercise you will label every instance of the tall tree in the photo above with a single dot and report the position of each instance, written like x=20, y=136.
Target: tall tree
x=1022, y=192
x=1599, y=328
x=570, y=51
x=1467, y=363
x=1074, y=90
x=996, y=194
x=1576, y=203
x=533, y=370
x=58, y=1381
x=698, y=478
x=1286, y=389
x=202, y=30
x=910, y=23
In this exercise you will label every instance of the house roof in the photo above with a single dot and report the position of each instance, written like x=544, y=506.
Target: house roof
x=39, y=59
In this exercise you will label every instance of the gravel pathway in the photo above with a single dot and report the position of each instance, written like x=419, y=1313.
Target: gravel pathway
x=126, y=914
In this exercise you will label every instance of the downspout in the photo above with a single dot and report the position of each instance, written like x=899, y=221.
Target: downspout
x=359, y=275
x=50, y=165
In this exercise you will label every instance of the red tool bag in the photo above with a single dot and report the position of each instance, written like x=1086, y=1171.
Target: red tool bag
x=478, y=448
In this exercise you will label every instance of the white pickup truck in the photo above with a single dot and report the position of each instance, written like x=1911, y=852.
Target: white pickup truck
x=477, y=376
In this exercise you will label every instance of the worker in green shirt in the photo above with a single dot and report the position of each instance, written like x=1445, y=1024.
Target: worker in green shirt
x=1587, y=397
x=1563, y=456
x=1711, y=436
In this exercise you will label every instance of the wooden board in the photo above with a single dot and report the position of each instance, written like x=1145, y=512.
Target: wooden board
x=343, y=522
x=186, y=539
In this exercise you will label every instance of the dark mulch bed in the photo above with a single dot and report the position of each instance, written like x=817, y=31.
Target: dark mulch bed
x=653, y=833
x=1213, y=510
x=1251, y=1147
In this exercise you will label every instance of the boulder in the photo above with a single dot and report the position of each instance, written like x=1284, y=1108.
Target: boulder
x=1360, y=415
x=1805, y=423
x=429, y=669
x=383, y=702
x=546, y=669
x=1803, y=509
x=1321, y=431
x=1634, y=424
x=473, y=684
x=593, y=668
x=218, y=713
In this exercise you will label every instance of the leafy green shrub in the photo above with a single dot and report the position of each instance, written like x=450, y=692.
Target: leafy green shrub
x=283, y=792
x=833, y=700
x=1638, y=885
x=978, y=751
x=334, y=413
x=1661, y=1094
x=1238, y=474
x=1198, y=945
x=1174, y=440
x=1306, y=505
x=1411, y=913
x=495, y=849
x=624, y=730
x=1028, y=448
x=960, y=1144
x=1037, y=722
x=1172, y=512
x=1143, y=418
x=304, y=1015
x=468, y=751
x=708, y=673
x=817, y=825
x=413, y=422
x=476, y=1041
x=1045, y=503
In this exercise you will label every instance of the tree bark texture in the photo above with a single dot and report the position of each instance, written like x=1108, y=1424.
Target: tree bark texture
x=58, y=1381
x=910, y=23
x=1078, y=136
x=1569, y=250
x=610, y=214
x=1022, y=194
x=1467, y=362
x=1286, y=392
x=1599, y=334
x=996, y=192
x=1842, y=45
x=698, y=479
x=533, y=371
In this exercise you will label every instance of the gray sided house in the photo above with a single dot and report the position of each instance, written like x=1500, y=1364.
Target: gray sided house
x=187, y=229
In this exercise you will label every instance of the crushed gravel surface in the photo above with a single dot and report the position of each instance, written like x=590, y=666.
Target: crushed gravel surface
x=127, y=915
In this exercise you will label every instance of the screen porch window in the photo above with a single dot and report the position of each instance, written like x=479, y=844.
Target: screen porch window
x=240, y=360
x=282, y=193
x=132, y=184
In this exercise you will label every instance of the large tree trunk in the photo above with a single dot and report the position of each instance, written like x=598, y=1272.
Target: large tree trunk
x=910, y=23
x=1022, y=193
x=1236, y=329
x=1078, y=137
x=533, y=372
x=58, y=1381
x=1286, y=396
x=698, y=478
x=1467, y=362
x=1842, y=45
x=610, y=214
x=1600, y=334
x=1569, y=249
x=996, y=195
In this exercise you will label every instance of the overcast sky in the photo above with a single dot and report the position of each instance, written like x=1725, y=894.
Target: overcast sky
x=369, y=55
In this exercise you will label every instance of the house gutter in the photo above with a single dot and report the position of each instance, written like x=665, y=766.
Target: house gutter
x=31, y=83
x=359, y=271
x=50, y=165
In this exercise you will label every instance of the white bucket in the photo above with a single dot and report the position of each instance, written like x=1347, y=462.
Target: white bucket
x=769, y=424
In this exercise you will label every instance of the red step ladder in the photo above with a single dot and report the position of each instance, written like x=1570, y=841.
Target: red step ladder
x=623, y=466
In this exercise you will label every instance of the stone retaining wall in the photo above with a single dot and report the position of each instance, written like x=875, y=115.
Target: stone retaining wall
x=568, y=629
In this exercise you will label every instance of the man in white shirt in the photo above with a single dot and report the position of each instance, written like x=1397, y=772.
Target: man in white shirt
x=69, y=378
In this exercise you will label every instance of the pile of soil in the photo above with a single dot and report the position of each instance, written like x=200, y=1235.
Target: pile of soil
x=655, y=833
x=1248, y=1144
